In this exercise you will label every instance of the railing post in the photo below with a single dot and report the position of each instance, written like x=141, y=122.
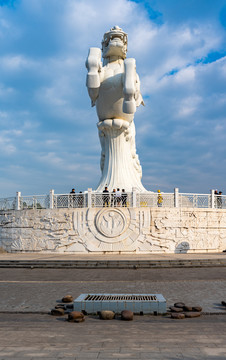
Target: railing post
x=89, y=198
x=212, y=197
x=18, y=200
x=134, y=197
x=51, y=199
x=176, y=197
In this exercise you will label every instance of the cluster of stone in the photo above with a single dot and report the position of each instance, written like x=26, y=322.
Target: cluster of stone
x=126, y=315
x=181, y=311
x=61, y=308
x=66, y=308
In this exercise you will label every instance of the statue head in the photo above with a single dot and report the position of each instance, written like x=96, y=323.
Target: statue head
x=114, y=43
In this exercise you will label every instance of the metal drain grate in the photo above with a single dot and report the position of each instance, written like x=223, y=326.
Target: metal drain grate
x=138, y=303
x=121, y=297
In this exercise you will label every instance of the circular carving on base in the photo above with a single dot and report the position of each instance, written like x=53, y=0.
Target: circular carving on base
x=111, y=223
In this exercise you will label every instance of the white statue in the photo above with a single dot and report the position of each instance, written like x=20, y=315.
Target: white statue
x=114, y=87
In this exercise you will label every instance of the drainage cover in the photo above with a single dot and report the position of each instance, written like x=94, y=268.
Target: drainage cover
x=138, y=303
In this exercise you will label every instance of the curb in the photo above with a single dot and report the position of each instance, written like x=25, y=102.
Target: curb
x=111, y=264
x=48, y=313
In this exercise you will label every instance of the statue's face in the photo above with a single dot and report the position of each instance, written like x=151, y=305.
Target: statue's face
x=114, y=46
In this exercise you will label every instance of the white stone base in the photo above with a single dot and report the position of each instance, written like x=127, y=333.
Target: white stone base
x=114, y=230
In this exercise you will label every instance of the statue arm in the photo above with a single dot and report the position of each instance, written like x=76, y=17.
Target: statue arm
x=138, y=96
x=94, y=65
x=129, y=88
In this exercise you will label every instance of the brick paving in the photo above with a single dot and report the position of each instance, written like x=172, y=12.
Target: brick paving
x=35, y=337
x=41, y=336
x=42, y=296
x=37, y=290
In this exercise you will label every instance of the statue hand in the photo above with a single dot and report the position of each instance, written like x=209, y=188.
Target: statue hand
x=93, y=64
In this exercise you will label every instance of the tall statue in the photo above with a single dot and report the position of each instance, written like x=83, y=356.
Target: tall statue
x=114, y=87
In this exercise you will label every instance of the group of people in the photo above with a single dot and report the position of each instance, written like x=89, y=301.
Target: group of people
x=76, y=200
x=119, y=198
x=116, y=198
x=218, y=199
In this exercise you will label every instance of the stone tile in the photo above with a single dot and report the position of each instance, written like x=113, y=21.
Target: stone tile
x=15, y=358
x=194, y=357
x=215, y=351
x=114, y=355
x=151, y=356
x=87, y=355
x=129, y=349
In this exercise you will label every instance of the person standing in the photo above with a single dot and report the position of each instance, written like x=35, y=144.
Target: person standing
x=124, y=198
x=72, y=198
x=106, y=197
x=113, y=198
x=118, y=196
x=159, y=199
x=216, y=199
x=219, y=200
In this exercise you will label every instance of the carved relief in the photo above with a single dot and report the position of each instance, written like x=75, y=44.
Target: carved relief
x=111, y=223
x=113, y=230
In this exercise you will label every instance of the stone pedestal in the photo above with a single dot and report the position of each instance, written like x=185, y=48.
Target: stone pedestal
x=113, y=230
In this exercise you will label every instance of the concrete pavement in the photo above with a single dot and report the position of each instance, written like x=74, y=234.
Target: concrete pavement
x=33, y=337
x=28, y=294
x=37, y=290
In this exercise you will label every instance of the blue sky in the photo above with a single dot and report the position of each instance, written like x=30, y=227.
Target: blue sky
x=48, y=134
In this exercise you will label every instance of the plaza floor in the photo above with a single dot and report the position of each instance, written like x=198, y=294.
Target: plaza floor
x=27, y=331
x=35, y=337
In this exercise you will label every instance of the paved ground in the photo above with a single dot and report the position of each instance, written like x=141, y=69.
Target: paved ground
x=37, y=290
x=147, y=337
x=40, y=336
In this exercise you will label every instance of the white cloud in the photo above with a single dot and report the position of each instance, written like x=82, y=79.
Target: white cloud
x=6, y=145
x=16, y=62
x=6, y=91
x=43, y=97
x=188, y=106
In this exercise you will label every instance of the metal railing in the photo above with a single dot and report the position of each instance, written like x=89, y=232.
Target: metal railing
x=70, y=200
x=155, y=199
x=35, y=202
x=92, y=199
x=111, y=200
x=8, y=203
x=195, y=200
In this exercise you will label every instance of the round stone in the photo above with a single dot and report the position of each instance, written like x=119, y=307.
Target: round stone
x=177, y=316
x=192, y=314
x=106, y=315
x=127, y=315
x=179, y=305
x=76, y=316
x=176, y=309
x=197, y=308
x=57, y=312
x=67, y=299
